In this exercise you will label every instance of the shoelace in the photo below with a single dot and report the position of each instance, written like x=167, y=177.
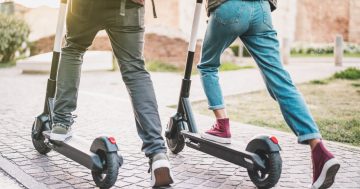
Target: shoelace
x=63, y=126
x=150, y=162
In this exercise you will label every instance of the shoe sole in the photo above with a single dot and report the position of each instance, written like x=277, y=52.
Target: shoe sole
x=216, y=138
x=327, y=175
x=161, y=175
x=60, y=137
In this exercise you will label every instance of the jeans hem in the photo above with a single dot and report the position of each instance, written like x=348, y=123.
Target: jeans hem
x=152, y=154
x=303, y=139
x=217, y=107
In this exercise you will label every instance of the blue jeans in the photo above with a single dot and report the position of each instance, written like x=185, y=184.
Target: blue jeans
x=251, y=21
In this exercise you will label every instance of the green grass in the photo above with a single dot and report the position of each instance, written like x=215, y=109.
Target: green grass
x=7, y=64
x=321, y=81
x=158, y=66
x=229, y=66
x=350, y=73
x=355, y=84
x=334, y=104
x=355, y=55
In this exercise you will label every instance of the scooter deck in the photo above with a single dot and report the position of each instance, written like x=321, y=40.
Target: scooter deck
x=76, y=149
x=234, y=152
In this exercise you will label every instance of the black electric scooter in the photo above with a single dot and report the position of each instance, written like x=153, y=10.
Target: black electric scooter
x=101, y=157
x=261, y=156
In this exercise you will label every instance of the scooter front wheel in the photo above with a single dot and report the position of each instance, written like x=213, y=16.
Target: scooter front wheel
x=108, y=176
x=176, y=141
x=39, y=143
x=268, y=177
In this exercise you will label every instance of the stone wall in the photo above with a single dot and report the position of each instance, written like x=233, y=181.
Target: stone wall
x=321, y=21
x=157, y=47
x=354, y=23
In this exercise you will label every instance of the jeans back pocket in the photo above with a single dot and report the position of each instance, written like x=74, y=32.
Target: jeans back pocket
x=228, y=12
x=134, y=17
x=266, y=11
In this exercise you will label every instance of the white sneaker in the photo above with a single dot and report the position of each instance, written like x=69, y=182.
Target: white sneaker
x=160, y=171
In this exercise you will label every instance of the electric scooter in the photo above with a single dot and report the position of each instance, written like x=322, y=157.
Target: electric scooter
x=261, y=156
x=102, y=156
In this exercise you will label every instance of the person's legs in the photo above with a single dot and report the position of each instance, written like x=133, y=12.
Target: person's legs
x=127, y=39
x=79, y=36
x=263, y=45
x=226, y=23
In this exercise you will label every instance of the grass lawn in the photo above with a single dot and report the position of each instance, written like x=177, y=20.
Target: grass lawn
x=334, y=103
x=7, y=65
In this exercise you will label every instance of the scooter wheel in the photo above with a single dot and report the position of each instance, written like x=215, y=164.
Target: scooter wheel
x=269, y=177
x=39, y=143
x=177, y=142
x=107, y=177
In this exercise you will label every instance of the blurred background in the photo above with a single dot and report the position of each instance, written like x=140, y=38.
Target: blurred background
x=306, y=28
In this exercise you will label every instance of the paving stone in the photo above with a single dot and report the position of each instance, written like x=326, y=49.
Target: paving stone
x=195, y=181
x=51, y=180
x=59, y=186
x=212, y=184
x=132, y=179
x=76, y=180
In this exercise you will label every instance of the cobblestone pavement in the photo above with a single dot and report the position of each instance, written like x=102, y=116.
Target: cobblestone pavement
x=106, y=110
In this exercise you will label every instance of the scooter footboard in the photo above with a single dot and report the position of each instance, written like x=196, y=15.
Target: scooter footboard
x=227, y=152
x=78, y=150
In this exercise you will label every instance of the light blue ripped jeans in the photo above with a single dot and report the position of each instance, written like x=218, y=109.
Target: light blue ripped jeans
x=251, y=21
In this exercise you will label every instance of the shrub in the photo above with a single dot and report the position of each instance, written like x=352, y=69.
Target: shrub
x=350, y=73
x=14, y=34
x=322, y=49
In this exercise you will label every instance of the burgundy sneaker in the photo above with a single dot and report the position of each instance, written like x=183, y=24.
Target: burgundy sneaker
x=325, y=167
x=220, y=132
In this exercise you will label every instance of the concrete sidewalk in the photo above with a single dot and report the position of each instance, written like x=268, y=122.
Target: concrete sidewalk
x=104, y=108
x=167, y=85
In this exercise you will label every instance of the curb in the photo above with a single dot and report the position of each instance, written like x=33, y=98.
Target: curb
x=19, y=175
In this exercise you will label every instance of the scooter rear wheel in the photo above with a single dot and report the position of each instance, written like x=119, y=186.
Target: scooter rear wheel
x=39, y=143
x=269, y=177
x=107, y=177
x=177, y=142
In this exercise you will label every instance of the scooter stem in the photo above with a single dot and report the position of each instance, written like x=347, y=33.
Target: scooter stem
x=59, y=35
x=193, y=39
x=186, y=82
x=51, y=84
